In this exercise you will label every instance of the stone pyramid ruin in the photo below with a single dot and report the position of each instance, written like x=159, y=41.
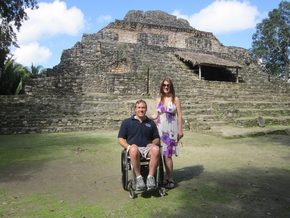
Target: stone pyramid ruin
x=98, y=80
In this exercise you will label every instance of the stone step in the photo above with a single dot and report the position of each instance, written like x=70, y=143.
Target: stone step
x=57, y=129
x=230, y=113
x=186, y=97
x=263, y=112
x=202, y=122
x=188, y=105
x=267, y=121
x=228, y=131
x=104, y=97
x=78, y=123
x=104, y=112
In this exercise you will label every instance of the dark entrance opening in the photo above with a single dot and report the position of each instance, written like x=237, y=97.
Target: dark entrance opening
x=215, y=73
x=210, y=67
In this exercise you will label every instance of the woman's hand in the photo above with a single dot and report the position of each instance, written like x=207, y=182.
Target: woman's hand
x=179, y=135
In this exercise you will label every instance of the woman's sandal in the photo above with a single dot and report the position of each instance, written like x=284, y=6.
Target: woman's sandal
x=170, y=184
x=165, y=182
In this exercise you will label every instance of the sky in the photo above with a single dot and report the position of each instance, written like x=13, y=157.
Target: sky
x=59, y=24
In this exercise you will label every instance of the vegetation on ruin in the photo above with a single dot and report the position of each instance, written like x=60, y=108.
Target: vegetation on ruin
x=14, y=75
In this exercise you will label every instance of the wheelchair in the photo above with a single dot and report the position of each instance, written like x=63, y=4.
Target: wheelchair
x=128, y=182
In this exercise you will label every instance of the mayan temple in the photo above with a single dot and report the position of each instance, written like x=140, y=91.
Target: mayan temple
x=98, y=80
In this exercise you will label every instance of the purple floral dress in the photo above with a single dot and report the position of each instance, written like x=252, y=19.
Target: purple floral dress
x=167, y=127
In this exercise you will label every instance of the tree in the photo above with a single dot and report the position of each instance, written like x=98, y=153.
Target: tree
x=35, y=70
x=272, y=40
x=12, y=78
x=12, y=14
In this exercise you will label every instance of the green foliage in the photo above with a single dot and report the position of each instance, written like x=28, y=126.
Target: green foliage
x=272, y=40
x=35, y=70
x=12, y=80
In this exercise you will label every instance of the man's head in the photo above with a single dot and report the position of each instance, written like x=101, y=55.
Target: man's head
x=141, y=109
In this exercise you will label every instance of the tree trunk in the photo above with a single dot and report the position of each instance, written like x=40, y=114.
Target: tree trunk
x=147, y=84
x=287, y=61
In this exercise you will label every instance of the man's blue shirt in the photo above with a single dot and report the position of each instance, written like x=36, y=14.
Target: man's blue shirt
x=138, y=133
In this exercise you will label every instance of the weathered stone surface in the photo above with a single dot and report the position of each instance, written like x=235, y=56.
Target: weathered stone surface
x=261, y=122
x=98, y=80
x=156, y=18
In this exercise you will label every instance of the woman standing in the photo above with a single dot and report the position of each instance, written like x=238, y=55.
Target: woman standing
x=169, y=123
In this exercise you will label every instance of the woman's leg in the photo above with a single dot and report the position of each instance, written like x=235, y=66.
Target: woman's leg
x=168, y=167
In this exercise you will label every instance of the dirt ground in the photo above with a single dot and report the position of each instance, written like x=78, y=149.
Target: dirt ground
x=214, y=178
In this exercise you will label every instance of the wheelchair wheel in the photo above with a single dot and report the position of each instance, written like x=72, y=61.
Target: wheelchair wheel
x=162, y=191
x=124, y=170
x=131, y=189
x=161, y=172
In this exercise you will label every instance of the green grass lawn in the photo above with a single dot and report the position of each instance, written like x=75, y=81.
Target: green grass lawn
x=79, y=175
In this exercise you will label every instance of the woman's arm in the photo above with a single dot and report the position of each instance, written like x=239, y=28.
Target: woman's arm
x=155, y=115
x=179, y=117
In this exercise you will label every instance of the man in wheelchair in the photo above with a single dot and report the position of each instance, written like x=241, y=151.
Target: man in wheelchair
x=139, y=136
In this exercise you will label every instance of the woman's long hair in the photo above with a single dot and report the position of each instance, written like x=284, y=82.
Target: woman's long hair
x=172, y=92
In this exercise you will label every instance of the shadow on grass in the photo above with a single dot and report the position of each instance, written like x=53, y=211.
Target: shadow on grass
x=245, y=192
x=187, y=173
x=261, y=190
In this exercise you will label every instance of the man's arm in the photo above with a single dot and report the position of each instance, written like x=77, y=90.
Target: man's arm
x=156, y=141
x=123, y=142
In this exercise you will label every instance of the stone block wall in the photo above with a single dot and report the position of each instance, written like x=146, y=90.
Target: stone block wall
x=60, y=85
x=98, y=79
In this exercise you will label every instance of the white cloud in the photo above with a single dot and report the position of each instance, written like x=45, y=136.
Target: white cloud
x=224, y=16
x=104, y=18
x=51, y=19
x=32, y=53
x=48, y=21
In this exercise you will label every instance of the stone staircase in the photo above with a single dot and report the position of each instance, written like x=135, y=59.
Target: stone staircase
x=90, y=111
x=207, y=106
x=212, y=107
